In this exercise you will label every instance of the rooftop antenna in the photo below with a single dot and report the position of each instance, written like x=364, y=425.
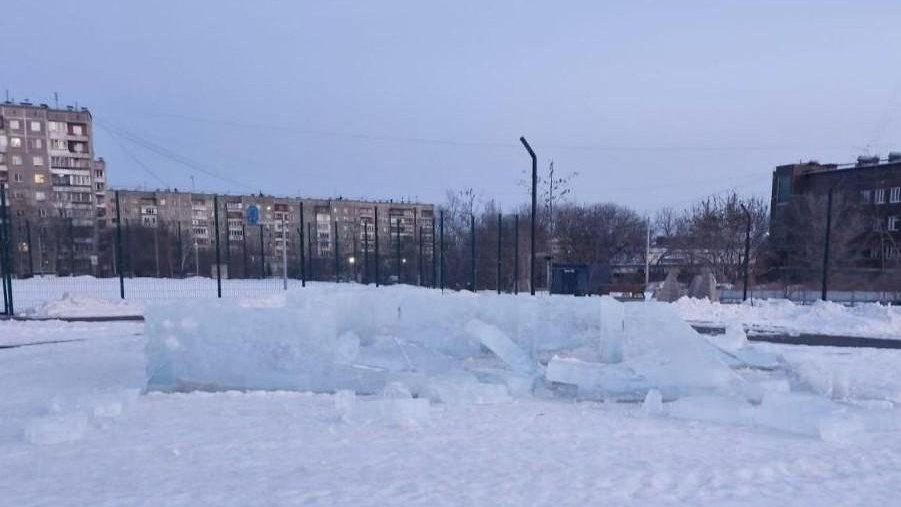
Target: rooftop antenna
x=56, y=100
x=7, y=94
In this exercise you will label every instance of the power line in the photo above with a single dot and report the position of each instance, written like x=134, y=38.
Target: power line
x=171, y=155
x=476, y=143
x=128, y=152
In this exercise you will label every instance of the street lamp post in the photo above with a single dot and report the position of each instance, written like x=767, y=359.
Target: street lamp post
x=534, y=206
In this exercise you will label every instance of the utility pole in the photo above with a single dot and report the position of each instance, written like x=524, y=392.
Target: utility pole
x=365, y=253
x=534, y=206
x=744, y=290
x=826, y=245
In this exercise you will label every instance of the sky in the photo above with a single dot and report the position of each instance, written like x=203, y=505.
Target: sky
x=652, y=104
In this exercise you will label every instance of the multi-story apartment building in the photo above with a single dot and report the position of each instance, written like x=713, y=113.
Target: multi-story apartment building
x=258, y=232
x=56, y=189
x=866, y=217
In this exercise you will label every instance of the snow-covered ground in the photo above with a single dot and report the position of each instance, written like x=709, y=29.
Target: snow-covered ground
x=281, y=448
x=778, y=315
x=75, y=429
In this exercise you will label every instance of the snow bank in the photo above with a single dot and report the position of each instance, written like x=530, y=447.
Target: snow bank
x=822, y=317
x=70, y=305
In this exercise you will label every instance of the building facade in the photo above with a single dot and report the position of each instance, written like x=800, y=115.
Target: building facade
x=171, y=233
x=55, y=188
x=865, y=229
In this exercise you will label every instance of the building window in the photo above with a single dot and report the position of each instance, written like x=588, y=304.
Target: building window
x=17, y=160
x=15, y=142
x=98, y=186
x=14, y=125
x=35, y=126
x=42, y=213
x=40, y=196
x=17, y=178
x=39, y=178
x=893, y=223
x=38, y=160
x=53, y=126
x=895, y=195
x=77, y=130
x=879, y=196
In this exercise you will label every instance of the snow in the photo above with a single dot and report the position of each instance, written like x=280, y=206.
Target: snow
x=817, y=427
x=70, y=305
x=777, y=315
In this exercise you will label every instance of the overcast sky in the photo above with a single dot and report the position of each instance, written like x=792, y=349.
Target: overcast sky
x=652, y=103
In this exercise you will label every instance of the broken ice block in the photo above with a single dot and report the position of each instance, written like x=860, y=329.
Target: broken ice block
x=495, y=340
x=612, y=330
x=596, y=378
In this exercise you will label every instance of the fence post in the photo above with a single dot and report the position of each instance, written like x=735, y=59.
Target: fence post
x=744, y=290
x=30, y=249
x=284, y=252
x=262, y=253
x=303, y=268
x=499, y=234
x=5, y=260
x=472, y=252
x=516, y=253
x=71, y=247
x=246, y=271
x=434, y=280
x=180, y=250
x=119, y=260
x=127, y=250
x=377, y=280
x=397, y=259
x=218, y=254
x=826, y=245
x=420, y=257
x=365, y=254
x=441, y=267
x=337, y=262
x=310, y=251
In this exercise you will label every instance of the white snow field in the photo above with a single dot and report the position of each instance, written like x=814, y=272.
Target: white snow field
x=873, y=320
x=437, y=400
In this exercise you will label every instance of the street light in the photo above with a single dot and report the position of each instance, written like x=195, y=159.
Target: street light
x=352, y=260
x=534, y=205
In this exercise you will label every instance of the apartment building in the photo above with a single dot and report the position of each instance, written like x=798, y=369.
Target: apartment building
x=259, y=233
x=865, y=229
x=55, y=187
